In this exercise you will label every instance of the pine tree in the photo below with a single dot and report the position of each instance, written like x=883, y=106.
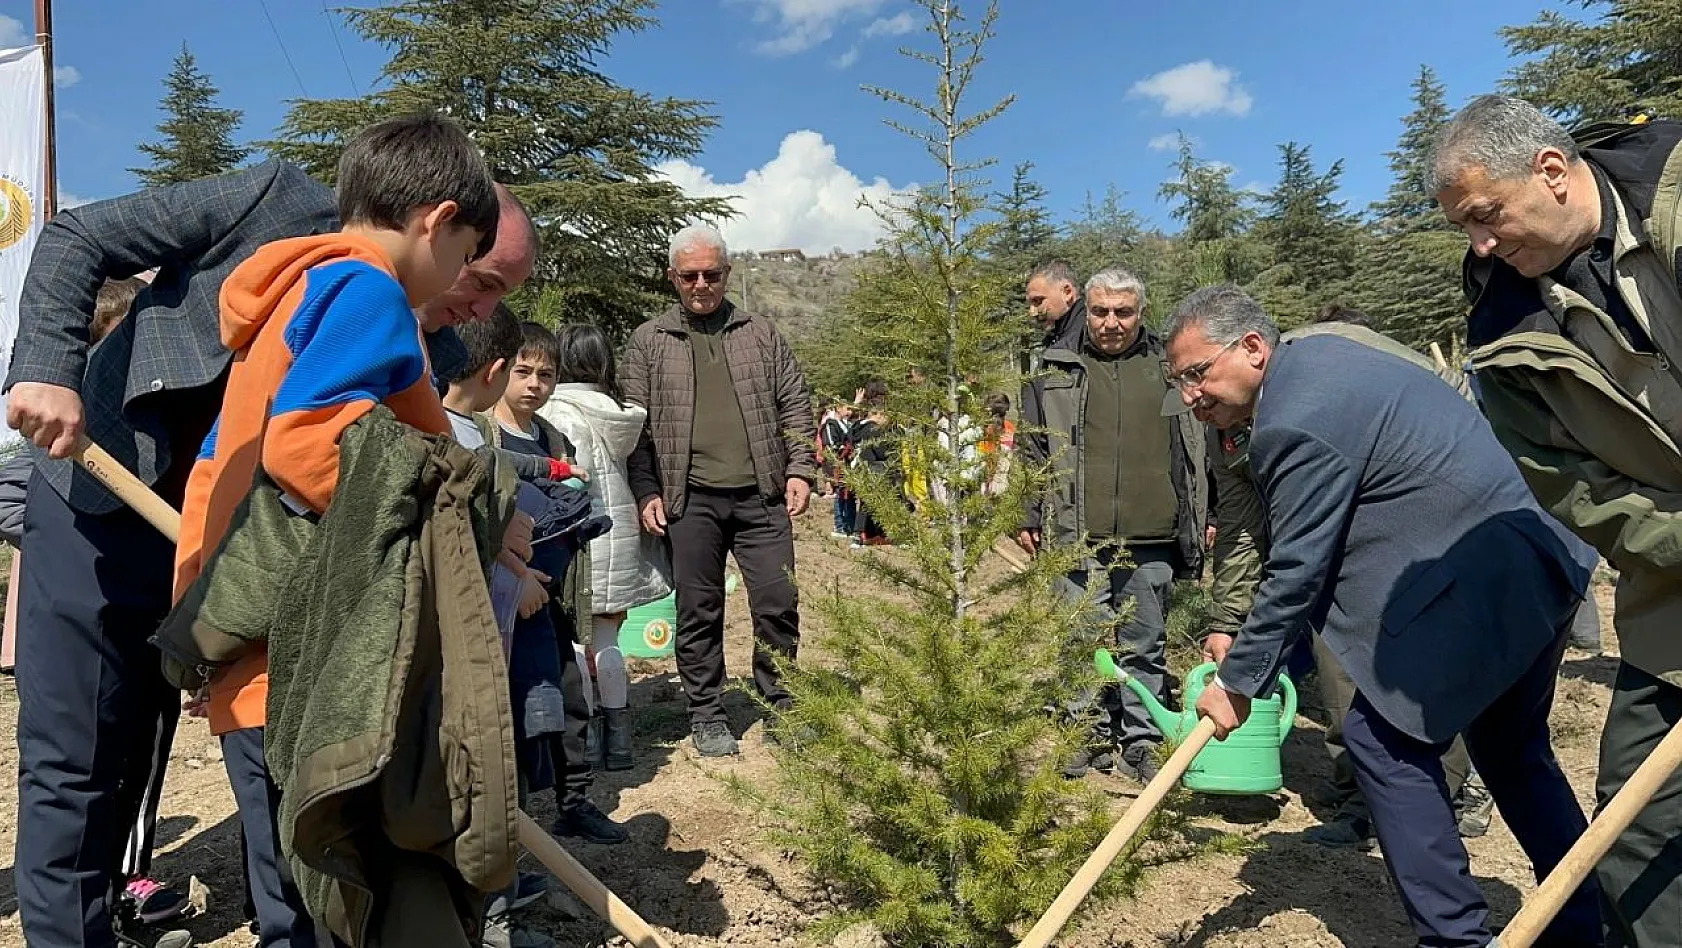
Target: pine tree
x=1105, y=235
x=1407, y=209
x=198, y=137
x=1605, y=68
x=927, y=785
x=1406, y=273
x=1207, y=203
x=1410, y=285
x=1310, y=232
x=1025, y=232
x=579, y=150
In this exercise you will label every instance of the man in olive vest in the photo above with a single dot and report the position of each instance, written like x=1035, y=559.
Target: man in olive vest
x=1129, y=480
x=1575, y=339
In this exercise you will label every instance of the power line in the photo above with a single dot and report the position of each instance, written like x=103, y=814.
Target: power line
x=282, y=44
x=333, y=25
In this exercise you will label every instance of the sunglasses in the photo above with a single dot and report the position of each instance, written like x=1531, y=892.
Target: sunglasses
x=1105, y=312
x=693, y=276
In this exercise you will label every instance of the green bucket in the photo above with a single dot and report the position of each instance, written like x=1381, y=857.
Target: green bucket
x=650, y=631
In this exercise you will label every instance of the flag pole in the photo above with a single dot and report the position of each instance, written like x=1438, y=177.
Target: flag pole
x=44, y=37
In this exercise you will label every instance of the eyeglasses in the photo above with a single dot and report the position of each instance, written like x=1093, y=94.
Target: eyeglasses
x=691, y=276
x=1192, y=377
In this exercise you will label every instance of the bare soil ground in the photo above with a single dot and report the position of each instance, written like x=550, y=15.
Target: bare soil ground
x=698, y=868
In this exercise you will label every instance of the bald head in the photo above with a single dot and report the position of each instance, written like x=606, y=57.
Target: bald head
x=485, y=281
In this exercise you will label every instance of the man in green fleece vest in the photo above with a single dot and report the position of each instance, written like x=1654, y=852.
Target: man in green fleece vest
x=1129, y=480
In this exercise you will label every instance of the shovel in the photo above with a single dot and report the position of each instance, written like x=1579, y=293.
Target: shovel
x=1581, y=858
x=1120, y=835
x=548, y=851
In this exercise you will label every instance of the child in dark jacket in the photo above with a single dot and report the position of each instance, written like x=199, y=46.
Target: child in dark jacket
x=551, y=707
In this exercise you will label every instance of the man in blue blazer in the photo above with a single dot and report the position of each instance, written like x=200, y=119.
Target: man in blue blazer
x=1401, y=528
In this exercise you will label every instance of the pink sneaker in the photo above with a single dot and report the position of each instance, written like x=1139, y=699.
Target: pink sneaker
x=152, y=901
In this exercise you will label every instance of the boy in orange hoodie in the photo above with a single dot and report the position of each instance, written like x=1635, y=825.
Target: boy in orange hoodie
x=323, y=329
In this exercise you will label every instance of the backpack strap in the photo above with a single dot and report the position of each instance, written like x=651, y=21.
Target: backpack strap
x=1597, y=134
x=1661, y=222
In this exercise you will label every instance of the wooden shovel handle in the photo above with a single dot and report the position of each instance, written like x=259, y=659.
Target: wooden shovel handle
x=132, y=491
x=1581, y=858
x=586, y=886
x=129, y=489
x=1063, y=908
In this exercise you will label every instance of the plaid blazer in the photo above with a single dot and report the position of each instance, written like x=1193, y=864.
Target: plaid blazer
x=170, y=345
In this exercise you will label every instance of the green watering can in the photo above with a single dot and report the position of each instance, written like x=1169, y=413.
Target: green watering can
x=1248, y=760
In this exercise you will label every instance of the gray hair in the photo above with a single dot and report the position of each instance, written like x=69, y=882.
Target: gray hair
x=1500, y=134
x=1054, y=272
x=697, y=235
x=1117, y=280
x=1225, y=313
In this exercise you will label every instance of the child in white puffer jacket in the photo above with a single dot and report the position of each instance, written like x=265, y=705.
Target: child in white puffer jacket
x=626, y=565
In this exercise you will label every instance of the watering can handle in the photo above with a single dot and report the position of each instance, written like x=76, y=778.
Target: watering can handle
x=1288, y=710
x=1203, y=675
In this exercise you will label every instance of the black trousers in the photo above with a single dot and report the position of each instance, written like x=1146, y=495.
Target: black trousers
x=1403, y=782
x=90, y=701
x=1337, y=693
x=143, y=833
x=1641, y=875
x=571, y=745
x=281, y=917
x=761, y=537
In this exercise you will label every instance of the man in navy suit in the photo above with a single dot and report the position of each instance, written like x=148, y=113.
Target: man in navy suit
x=1399, y=527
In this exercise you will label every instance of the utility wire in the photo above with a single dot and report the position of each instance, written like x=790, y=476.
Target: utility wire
x=282, y=44
x=332, y=23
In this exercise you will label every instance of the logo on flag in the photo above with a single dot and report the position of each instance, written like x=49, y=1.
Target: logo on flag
x=17, y=211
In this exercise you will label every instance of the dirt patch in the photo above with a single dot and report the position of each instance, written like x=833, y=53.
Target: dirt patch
x=698, y=867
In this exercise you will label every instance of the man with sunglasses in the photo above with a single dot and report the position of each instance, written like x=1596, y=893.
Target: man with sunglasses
x=1131, y=481
x=1399, y=528
x=725, y=460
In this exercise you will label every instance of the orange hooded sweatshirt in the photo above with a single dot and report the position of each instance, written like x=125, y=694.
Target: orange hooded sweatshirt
x=321, y=332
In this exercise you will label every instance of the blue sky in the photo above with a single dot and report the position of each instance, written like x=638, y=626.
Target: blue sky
x=1097, y=82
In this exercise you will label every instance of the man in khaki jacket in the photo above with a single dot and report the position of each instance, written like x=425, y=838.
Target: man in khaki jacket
x=725, y=461
x=1575, y=337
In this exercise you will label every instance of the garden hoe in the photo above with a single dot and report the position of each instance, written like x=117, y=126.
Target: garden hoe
x=548, y=851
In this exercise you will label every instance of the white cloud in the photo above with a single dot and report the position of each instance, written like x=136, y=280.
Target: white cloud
x=1197, y=88
x=67, y=200
x=1168, y=141
x=801, y=198
x=12, y=34
x=803, y=24
x=847, y=58
x=897, y=25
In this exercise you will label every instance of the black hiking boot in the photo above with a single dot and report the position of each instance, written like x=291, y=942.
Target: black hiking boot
x=1138, y=760
x=585, y=821
x=713, y=739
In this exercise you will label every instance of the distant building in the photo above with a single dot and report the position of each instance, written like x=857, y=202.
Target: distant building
x=783, y=256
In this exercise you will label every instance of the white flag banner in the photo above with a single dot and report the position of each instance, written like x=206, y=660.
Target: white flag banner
x=23, y=178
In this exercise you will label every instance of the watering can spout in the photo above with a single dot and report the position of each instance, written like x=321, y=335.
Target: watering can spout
x=1168, y=722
